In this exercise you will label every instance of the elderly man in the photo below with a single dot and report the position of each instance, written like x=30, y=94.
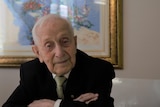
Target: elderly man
x=83, y=81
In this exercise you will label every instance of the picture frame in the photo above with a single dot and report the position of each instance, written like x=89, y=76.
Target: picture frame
x=13, y=56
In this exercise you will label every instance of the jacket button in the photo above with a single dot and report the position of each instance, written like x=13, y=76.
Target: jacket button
x=72, y=96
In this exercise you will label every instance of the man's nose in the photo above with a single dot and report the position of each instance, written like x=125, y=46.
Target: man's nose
x=59, y=51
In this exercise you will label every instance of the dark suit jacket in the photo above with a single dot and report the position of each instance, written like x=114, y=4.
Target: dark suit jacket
x=89, y=75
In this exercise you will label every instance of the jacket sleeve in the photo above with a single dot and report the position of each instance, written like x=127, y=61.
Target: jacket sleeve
x=99, y=82
x=104, y=100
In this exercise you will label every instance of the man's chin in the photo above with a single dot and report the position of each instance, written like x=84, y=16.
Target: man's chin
x=60, y=73
x=61, y=70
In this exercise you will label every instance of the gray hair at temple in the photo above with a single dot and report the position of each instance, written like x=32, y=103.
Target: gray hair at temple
x=46, y=20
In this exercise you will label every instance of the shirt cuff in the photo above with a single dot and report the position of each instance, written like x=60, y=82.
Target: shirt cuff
x=57, y=103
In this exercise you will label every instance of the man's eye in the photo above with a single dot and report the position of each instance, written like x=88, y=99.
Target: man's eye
x=49, y=46
x=65, y=42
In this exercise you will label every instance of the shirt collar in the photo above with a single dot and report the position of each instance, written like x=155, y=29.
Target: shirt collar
x=65, y=75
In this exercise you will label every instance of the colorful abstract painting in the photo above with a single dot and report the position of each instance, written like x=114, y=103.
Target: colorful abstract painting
x=83, y=14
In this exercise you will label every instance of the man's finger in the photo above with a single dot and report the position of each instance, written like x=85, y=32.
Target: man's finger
x=87, y=97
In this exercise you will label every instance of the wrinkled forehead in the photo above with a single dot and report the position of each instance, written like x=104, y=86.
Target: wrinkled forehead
x=50, y=24
x=53, y=23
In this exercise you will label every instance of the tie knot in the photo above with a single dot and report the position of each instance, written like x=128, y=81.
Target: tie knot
x=60, y=80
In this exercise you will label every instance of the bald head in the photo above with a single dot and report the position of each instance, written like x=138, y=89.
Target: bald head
x=49, y=21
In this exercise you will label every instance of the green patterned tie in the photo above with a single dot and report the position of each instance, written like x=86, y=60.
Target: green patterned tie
x=60, y=80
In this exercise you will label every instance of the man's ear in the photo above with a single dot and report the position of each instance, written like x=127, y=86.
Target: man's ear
x=37, y=53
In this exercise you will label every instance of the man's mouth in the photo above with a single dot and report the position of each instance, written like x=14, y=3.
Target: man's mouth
x=63, y=61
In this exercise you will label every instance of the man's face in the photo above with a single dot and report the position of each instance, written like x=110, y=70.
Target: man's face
x=57, y=47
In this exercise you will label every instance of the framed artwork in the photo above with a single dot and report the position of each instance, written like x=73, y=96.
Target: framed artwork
x=97, y=25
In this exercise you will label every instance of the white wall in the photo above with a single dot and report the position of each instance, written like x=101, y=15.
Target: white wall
x=141, y=37
x=9, y=79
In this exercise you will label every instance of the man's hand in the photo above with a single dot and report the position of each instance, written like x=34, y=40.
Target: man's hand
x=87, y=97
x=42, y=103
